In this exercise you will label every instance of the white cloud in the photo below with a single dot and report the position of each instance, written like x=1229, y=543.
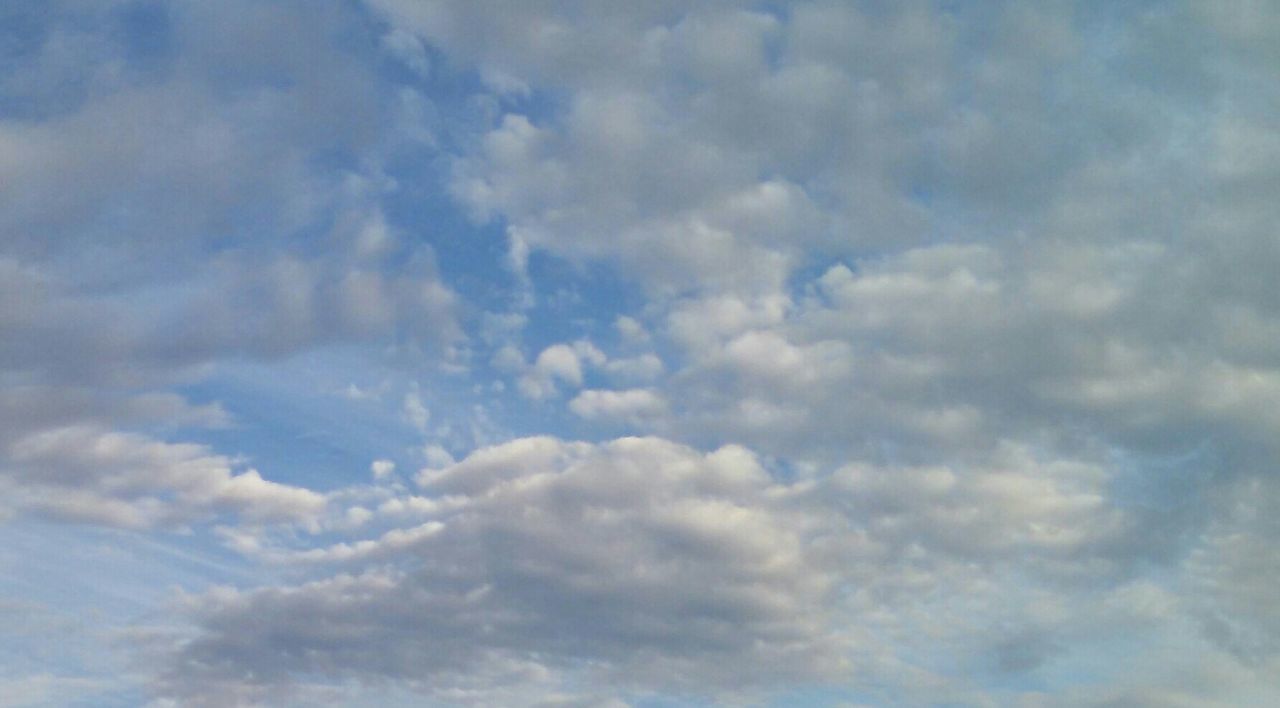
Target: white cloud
x=630, y=329
x=437, y=456
x=91, y=475
x=630, y=405
x=382, y=469
x=642, y=368
x=558, y=363
x=1051, y=250
x=415, y=412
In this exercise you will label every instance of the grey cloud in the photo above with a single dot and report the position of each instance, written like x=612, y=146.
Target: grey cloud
x=649, y=563
x=648, y=566
x=1234, y=568
x=92, y=475
x=954, y=343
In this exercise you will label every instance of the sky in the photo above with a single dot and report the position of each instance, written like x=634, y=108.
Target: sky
x=603, y=353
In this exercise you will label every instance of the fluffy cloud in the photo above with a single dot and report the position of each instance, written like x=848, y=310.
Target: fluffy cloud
x=644, y=564
x=557, y=364
x=90, y=475
x=822, y=130
x=635, y=403
x=656, y=565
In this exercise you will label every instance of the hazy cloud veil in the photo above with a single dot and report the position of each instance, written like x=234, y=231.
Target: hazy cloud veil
x=418, y=352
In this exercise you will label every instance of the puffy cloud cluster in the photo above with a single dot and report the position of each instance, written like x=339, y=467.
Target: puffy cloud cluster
x=644, y=565
x=722, y=147
x=1085, y=270
x=953, y=346
x=643, y=561
x=904, y=241
x=85, y=474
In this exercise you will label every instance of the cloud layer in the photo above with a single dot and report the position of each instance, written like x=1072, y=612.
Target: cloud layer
x=594, y=353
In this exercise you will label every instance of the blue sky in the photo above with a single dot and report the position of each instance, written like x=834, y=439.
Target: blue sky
x=419, y=352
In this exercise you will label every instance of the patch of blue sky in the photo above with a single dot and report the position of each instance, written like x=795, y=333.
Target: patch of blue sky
x=575, y=300
x=318, y=419
x=119, y=572
x=1107, y=660
x=1165, y=481
x=825, y=696
x=27, y=92
x=673, y=701
x=470, y=256
x=145, y=30
x=72, y=594
x=310, y=420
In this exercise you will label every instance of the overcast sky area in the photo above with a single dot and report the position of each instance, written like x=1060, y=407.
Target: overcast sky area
x=651, y=354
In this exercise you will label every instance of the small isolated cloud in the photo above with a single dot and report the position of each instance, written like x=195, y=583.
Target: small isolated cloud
x=642, y=368
x=631, y=330
x=558, y=364
x=415, y=411
x=382, y=469
x=437, y=456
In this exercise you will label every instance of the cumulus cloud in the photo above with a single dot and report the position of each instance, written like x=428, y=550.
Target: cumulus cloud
x=382, y=469
x=664, y=568
x=657, y=564
x=557, y=364
x=631, y=404
x=630, y=329
x=90, y=475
